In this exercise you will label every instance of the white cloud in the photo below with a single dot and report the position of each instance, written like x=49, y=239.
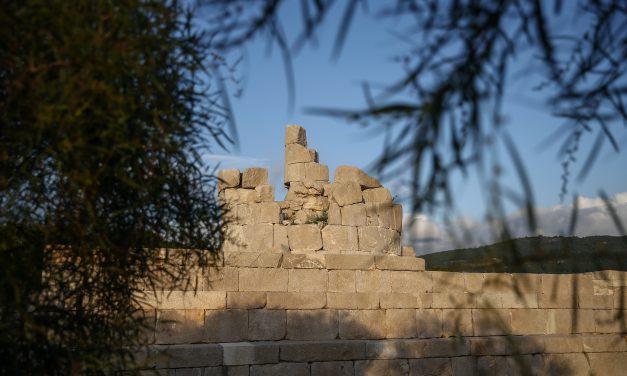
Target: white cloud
x=593, y=218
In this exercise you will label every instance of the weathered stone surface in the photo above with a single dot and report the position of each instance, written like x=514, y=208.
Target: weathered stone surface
x=457, y=322
x=265, y=212
x=229, y=178
x=258, y=237
x=233, y=196
x=354, y=215
x=529, y=321
x=220, y=279
x=362, y=324
x=339, y=238
x=323, y=350
x=244, y=353
x=377, y=195
x=464, y=366
x=408, y=251
x=345, y=300
x=567, y=364
x=399, y=300
x=378, y=240
x=429, y=323
x=295, y=134
x=489, y=322
x=373, y=281
x=341, y=281
x=280, y=243
x=264, y=193
x=400, y=323
x=561, y=344
x=182, y=299
x=294, y=172
x=263, y=279
x=349, y=262
x=303, y=261
x=382, y=367
x=566, y=321
x=353, y=174
x=610, y=364
x=397, y=218
x=254, y=177
x=308, y=280
x=411, y=282
x=434, y=366
x=304, y=238
x=334, y=214
x=604, y=343
x=295, y=369
x=245, y=299
x=344, y=368
x=230, y=325
x=316, y=172
x=266, y=325
x=176, y=356
x=179, y=326
x=296, y=153
x=296, y=300
x=253, y=259
x=317, y=203
x=346, y=193
x=311, y=325
x=399, y=263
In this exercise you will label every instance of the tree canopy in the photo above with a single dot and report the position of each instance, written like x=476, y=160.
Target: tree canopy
x=105, y=108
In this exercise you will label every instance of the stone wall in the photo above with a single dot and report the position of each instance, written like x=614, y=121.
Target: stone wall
x=285, y=301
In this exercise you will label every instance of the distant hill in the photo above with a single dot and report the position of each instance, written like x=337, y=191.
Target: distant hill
x=538, y=254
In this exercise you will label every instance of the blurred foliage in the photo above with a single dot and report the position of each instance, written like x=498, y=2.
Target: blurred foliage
x=443, y=117
x=105, y=107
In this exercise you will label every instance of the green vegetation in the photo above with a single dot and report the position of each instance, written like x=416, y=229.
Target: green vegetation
x=105, y=108
x=536, y=255
x=320, y=218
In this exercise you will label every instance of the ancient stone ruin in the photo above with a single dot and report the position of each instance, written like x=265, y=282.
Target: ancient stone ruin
x=352, y=215
x=318, y=285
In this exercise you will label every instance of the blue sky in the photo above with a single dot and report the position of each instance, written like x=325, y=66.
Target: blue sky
x=261, y=114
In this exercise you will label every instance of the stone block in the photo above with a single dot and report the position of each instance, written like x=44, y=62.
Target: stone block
x=561, y=344
x=334, y=215
x=453, y=299
x=566, y=364
x=399, y=300
x=566, y=321
x=464, y=366
x=447, y=281
x=258, y=237
x=529, y=321
x=234, y=196
x=362, y=324
x=178, y=356
x=230, y=325
x=296, y=153
x=254, y=177
x=263, y=279
x=400, y=323
x=228, y=178
x=265, y=212
x=429, y=323
x=311, y=325
x=332, y=350
x=342, y=281
x=245, y=353
x=295, y=134
x=349, y=262
x=354, y=215
x=609, y=321
x=308, y=280
x=316, y=203
x=245, y=299
x=182, y=299
x=433, y=366
x=382, y=367
x=266, y=325
x=397, y=218
x=377, y=195
x=457, y=323
x=294, y=172
x=345, y=174
x=604, y=343
x=557, y=291
x=445, y=347
x=293, y=369
x=487, y=322
x=379, y=240
x=339, y=238
x=373, y=281
x=280, y=243
x=304, y=238
x=264, y=193
x=340, y=368
x=346, y=193
x=296, y=300
x=252, y=259
x=346, y=300
x=411, y=282
x=303, y=261
x=609, y=364
x=316, y=172
x=179, y=326
x=220, y=279
x=399, y=263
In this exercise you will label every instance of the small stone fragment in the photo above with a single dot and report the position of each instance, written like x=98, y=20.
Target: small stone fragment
x=295, y=134
x=229, y=178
